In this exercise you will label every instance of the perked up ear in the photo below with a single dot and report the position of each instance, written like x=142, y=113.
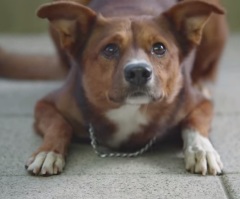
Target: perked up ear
x=190, y=17
x=68, y=17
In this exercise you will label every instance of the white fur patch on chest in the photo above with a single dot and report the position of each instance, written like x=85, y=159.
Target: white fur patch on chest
x=128, y=120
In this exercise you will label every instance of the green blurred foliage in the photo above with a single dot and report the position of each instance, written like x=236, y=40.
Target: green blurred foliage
x=18, y=16
x=233, y=14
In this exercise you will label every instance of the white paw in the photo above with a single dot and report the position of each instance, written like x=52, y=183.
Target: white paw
x=200, y=160
x=200, y=156
x=46, y=163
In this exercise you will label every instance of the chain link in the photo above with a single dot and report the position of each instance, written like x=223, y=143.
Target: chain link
x=123, y=155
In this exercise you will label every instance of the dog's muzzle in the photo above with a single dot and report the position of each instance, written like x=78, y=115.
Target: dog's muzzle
x=138, y=77
x=139, y=85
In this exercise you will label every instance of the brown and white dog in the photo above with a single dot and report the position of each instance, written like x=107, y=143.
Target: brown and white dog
x=137, y=69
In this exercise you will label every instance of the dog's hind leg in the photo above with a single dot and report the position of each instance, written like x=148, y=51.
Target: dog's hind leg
x=31, y=66
x=49, y=159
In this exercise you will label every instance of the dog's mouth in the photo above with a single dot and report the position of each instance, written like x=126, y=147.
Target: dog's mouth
x=136, y=97
x=138, y=94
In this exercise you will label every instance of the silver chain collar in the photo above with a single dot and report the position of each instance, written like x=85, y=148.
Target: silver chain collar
x=123, y=155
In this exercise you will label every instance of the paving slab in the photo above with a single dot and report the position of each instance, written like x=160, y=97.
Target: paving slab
x=16, y=144
x=18, y=141
x=20, y=97
x=226, y=88
x=82, y=160
x=232, y=183
x=226, y=138
x=35, y=43
x=226, y=98
x=112, y=186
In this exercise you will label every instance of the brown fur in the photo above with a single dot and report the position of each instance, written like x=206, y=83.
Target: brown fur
x=95, y=84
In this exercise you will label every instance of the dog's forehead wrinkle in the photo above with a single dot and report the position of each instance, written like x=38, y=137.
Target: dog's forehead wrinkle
x=118, y=27
x=129, y=23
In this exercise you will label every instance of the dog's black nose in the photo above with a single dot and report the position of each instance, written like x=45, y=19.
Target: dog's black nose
x=138, y=74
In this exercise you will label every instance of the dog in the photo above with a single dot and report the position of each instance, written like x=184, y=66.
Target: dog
x=137, y=69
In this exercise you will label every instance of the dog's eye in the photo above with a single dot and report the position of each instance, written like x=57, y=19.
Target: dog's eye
x=110, y=51
x=158, y=49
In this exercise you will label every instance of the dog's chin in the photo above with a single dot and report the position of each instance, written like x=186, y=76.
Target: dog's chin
x=133, y=100
x=138, y=100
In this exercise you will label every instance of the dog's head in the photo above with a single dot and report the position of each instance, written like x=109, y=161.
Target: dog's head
x=135, y=60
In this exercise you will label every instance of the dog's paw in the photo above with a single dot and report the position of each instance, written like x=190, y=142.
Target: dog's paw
x=200, y=155
x=200, y=160
x=45, y=164
x=203, y=161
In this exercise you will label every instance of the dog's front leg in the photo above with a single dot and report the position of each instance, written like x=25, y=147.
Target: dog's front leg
x=49, y=159
x=200, y=155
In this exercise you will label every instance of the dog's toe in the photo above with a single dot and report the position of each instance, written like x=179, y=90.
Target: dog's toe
x=45, y=163
x=214, y=163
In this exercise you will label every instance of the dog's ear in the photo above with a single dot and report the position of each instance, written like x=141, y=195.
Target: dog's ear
x=190, y=17
x=70, y=19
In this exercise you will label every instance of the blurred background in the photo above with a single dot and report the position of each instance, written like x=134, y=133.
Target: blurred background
x=18, y=16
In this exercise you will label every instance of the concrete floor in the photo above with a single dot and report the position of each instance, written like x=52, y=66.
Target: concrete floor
x=157, y=174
